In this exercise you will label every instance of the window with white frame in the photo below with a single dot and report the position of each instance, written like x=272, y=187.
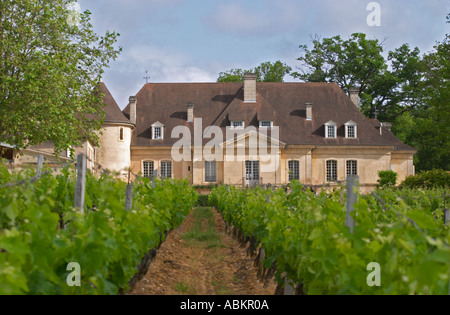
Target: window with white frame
x=294, y=170
x=265, y=124
x=158, y=131
x=352, y=168
x=166, y=169
x=350, y=130
x=237, y=124
x=332, y=175
x=210, y=171
x=330, y=129
x=148, y=168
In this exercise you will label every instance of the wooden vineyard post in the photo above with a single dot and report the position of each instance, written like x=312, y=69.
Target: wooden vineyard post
x=129, y=193
x=262, y=257
x=446, y=213
x=155, y=175
x=80, y=187
x=288, y=287
x=40, y=162
x=352, y=182
x=129, y=197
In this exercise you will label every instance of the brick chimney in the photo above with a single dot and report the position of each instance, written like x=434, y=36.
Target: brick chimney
x=133, y=102
x=190, y=112
x=250, y=88
x=354, y=95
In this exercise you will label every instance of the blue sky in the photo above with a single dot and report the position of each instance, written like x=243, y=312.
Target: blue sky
x=195, y=40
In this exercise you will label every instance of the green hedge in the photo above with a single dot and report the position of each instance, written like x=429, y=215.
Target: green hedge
x=429, y=179
x=387, y=178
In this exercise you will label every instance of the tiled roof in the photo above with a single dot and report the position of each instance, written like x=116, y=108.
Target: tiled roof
x=283, y=103
x=112, y=110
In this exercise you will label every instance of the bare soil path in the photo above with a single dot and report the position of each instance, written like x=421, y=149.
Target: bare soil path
x=200, y=258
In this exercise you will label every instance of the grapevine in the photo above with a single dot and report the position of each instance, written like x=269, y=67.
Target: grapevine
x=41, y=232
x=304, y=234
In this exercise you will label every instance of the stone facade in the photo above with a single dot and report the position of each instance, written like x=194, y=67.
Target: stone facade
x=300, y=111
x=320, y=135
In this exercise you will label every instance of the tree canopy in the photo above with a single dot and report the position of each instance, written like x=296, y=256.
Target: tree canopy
x=265, y=72
x=407, y=88
x=388, y=86
x=50, y=67
x=427, y=128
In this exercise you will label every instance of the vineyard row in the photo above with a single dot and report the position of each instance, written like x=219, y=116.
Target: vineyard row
x=307, y=242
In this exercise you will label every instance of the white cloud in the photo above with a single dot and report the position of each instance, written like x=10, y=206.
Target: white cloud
x=164, y=64
x=192, y=41
x=126, y=76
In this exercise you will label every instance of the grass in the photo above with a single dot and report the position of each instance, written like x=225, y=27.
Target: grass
x=203, y=235
x=181, y=287
x=221, y=289
x=184, y=288
x=203, y=231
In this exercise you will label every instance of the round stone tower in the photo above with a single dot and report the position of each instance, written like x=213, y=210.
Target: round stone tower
x=114, y=152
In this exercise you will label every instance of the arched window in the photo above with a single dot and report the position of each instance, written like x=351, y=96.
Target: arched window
x=148, y=168
x=332, y=175
x=352, y=168
x=166, y=169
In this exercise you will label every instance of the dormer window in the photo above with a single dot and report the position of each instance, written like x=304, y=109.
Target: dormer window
x=158, y=131
x=350, y=130
x=237, y=124
x=265, y=124
x=330, y=129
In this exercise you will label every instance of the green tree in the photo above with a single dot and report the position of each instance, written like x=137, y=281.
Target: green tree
x=272, y=72
x=352, y=62
x=406, y=88
x=437, y=76
x=388, y=87
x=233, y=75
x=428, y=126
x=266, y=72
x=51, y=63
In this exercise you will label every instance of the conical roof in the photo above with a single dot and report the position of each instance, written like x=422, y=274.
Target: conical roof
x=113, y=113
